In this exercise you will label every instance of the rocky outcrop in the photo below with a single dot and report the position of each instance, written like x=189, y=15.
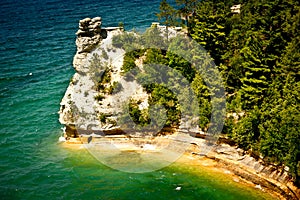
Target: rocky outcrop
x=91, y=103
x=89, y=34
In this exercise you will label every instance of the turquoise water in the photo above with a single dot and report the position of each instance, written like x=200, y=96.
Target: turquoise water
x=37, y=45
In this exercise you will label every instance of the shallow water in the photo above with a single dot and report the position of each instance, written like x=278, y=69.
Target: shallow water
x=37, y=45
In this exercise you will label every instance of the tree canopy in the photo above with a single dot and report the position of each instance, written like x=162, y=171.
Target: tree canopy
x=257, y=51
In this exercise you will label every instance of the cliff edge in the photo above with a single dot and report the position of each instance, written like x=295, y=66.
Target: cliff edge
x=94, y=98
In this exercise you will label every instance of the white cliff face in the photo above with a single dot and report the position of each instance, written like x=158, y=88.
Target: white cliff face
x=84, y=108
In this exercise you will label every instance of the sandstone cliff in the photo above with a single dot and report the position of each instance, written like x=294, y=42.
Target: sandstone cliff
x=92, y=103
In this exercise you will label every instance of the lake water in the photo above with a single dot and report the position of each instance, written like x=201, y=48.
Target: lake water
x=37, y=45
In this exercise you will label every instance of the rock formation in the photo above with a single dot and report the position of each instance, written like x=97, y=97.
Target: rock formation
x=89, y=34
x=89, y=105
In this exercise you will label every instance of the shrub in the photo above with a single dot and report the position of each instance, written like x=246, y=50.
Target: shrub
x=99, y=97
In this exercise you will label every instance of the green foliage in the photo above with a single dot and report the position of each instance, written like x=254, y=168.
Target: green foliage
x=202, y=93
x=130, y=58
x=258, y=54
x=246, y=132
x=167, y=15
x=181, y=65
x=280, y=126
x=256, y=73
x=139, y=117
x=96, y=68
x=161, y=95
x=127, y=40
x=102, y=117
x=153, y=37
x=116, y=87
x=186, y=8
x=103, y=80
x=157, y=56
x=104, y=85
x=208, y=28
x=121, y=24
x=99, y=97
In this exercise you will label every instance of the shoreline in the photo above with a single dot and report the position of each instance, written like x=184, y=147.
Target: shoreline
x=212, y=165
x=219, y=160
x=254, y=171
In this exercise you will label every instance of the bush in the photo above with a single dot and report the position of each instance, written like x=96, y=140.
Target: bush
x=99, y=97
x=102, y=117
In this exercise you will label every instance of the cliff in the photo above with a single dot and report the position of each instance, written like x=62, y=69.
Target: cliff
x=96, y=99
x=92, y=103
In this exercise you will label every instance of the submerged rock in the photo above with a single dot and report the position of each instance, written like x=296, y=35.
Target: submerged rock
x=264, y=175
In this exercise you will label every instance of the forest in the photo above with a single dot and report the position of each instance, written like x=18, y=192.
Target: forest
x=255, y=46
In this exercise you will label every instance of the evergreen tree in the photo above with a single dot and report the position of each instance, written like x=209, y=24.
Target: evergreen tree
x=256, y=72
x=208, y=28
x=186, y=10
x=280, y=125
x=258, y=51
x=167, y=15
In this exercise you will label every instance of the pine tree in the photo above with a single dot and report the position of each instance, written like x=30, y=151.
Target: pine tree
x=187, y=9
x=280, y=124
x=246, y=132
x=258, y=51
x=256, y=72
x=167, y=15
x=208, y=28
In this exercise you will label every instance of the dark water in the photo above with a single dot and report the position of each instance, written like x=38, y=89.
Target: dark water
x=37, y=45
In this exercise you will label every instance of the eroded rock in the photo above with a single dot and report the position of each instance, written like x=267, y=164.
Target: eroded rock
x=89, y=34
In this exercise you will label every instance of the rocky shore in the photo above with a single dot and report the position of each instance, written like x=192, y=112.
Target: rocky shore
x=265, y=176
x=85, y=118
